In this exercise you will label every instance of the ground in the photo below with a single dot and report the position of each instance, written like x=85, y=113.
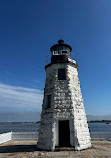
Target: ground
x=27, y=149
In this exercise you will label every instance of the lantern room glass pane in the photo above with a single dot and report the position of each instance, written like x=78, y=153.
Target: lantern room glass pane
x=64, y=51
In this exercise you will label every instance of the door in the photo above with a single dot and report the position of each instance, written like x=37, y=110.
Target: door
x=64, y=133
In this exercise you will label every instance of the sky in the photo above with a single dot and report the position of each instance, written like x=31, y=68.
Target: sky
x=27, y=31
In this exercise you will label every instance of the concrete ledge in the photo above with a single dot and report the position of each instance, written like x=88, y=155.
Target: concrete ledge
x=27, y=149
x=5, y=137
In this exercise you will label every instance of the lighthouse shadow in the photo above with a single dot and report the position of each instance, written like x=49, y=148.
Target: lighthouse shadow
x=67, y=148
x=17, y=148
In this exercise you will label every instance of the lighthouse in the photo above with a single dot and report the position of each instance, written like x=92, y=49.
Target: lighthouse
x=63, y=119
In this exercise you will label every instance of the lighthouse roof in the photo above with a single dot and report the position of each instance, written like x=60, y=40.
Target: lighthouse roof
x=60, y=43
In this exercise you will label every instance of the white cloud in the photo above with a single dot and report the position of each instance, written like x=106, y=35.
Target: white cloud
x=18, y=97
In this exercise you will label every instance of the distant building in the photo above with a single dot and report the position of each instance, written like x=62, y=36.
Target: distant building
x=63, y=119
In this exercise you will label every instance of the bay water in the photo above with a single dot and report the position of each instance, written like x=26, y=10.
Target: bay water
x=32, y=127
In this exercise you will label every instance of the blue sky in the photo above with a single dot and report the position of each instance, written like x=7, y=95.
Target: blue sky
x=27, y=31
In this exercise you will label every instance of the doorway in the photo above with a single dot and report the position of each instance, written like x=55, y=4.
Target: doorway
x=64, y=133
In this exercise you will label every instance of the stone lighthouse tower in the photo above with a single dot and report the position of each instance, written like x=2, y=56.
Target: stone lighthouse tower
x=63, y=119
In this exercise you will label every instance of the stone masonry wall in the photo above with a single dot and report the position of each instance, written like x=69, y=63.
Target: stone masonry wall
x=66, y=104
x=80, y=122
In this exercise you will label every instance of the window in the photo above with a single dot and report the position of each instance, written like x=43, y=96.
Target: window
x=61, y=74
x=48, y=101
x=56, y=52
x=64, y=51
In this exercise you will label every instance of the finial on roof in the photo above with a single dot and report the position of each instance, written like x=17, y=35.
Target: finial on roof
x=61, y=41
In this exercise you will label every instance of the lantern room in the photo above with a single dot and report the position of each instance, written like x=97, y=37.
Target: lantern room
x=60, y=52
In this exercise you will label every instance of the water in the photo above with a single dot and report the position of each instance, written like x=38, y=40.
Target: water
x=18, y=127
x=31, y=126
x=99, y=127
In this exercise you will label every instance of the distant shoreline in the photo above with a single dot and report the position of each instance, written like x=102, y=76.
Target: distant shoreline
x=37, y=122
x=21, y=122
x=100, y=121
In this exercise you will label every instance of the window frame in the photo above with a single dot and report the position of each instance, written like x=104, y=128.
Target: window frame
x=56, y=52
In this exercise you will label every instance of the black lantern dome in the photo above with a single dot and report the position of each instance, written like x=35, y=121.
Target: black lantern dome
x=60, y=46
x=60, y=52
